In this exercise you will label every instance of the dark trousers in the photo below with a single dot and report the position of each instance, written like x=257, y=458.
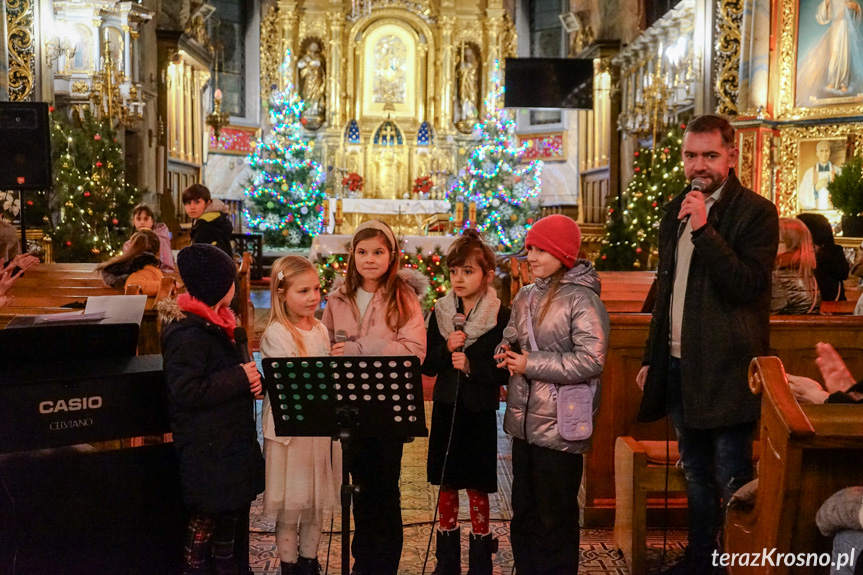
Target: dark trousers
x=716, y=462
x=375, y=466
x=218, y=543
x=545, y=528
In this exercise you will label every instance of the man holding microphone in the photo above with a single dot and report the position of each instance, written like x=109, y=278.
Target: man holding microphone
x=717, y=245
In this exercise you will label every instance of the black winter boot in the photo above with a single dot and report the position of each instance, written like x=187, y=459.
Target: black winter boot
x=308, y=566
x=448, y=552
x=479, y=554
x=290, y=568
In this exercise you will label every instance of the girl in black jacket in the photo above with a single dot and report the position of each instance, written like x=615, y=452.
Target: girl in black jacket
x=463, y=440
x=210, y=398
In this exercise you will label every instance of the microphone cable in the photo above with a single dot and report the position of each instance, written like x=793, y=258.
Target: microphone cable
x=445, y=457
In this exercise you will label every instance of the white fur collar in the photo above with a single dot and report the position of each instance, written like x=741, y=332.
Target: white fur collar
x=482, y=318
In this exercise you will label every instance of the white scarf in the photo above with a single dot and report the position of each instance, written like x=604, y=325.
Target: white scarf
x=482, y=319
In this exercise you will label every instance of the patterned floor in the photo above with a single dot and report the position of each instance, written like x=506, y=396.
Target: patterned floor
x=418, y=499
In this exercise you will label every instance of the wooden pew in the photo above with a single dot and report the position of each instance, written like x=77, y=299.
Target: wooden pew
x=793, y=340
x=814, y=451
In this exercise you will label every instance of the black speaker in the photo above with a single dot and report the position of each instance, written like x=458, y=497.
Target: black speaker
x=25, y=146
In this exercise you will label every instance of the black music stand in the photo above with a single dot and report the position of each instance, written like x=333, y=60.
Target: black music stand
x=344, y=397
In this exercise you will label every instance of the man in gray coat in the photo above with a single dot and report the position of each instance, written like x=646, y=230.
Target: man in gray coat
x=712, y=316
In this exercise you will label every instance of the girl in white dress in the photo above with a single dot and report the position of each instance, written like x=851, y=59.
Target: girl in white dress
x=303, y=473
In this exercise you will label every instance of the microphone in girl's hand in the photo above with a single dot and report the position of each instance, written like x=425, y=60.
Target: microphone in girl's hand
x=458, y=321
x=241, y=340
x=511, y=336
x=341, y=335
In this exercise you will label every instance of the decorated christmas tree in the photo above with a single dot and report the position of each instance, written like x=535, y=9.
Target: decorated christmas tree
x=92, y=203
x=503, y=191
x=632, y=222
x=286, y=190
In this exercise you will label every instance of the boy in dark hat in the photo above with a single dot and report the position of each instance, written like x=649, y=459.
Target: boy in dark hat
x=210, y=397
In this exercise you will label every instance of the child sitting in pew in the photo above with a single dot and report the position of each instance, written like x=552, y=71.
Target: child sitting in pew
x=137, y=265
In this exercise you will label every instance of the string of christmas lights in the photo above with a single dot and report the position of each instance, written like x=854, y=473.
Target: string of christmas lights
x=632, y=220
x=286, y=189
x=92, y=203
x=503, y=190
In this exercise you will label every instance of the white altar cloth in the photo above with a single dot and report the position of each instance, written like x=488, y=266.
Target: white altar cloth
x=386, y=207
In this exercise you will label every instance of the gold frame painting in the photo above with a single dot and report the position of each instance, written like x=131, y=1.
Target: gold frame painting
x=790, y=157
x=832, y=101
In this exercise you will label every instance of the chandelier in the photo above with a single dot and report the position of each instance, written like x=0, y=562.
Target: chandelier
x=106, y=96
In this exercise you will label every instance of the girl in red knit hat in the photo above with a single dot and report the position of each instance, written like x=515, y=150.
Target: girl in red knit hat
x=553, y=395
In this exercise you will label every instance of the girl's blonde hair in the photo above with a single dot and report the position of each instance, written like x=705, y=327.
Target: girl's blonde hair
x=396, y=290
x=285, y=271
x=140, y=242
x=800, y=254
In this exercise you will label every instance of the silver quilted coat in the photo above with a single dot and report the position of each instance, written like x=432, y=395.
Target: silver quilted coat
x=573, y=339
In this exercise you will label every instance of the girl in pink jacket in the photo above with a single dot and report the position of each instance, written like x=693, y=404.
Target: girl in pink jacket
x=378, y=307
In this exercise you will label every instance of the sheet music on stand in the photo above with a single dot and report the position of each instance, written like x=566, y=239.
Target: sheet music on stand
x=346, y=397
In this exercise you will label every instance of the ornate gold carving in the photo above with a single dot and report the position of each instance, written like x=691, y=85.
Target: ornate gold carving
x=313, y=25
x=22, y=59
x=785, y=106
x=80, y=87
x=727, y=54
x=766, y=164
x=786, y=194
x=747, y=159
x=196, y=29
x=271, y=51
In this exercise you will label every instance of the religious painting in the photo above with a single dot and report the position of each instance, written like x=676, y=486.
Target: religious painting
x=829, y=53
x=819, y=162
x=389, y=71
x=82, y=61
x=809, y=158
x=820, y=59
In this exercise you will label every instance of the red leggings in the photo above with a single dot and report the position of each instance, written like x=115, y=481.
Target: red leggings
x=448, y=509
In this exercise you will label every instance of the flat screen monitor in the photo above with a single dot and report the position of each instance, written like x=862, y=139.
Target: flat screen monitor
x=549, y=83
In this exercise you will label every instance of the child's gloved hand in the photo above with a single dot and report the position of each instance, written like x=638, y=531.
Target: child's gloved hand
x=254, y=377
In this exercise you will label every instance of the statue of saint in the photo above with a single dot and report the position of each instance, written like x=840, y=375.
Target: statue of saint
x=313, y=85
x=468, y=90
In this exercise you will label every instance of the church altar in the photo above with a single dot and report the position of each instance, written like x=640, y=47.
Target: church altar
x=329, y=244
x=391, y=92
x=403, y=216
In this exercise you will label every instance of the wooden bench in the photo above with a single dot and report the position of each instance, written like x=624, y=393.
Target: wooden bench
x=814, y=451
x=622, y=292
x=792, y=338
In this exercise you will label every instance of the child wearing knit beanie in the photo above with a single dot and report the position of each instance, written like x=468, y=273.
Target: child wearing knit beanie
x=562, y=329
x=210, y=400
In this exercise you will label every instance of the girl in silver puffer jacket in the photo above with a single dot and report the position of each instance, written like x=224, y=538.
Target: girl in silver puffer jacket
x=553, y=395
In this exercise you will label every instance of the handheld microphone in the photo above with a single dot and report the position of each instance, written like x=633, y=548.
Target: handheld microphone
x=241, y=340
x=458, y=321
x=696, y=185
x=341, y=336
x=511, y=336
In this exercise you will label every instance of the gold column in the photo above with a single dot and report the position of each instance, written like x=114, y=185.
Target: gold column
x=289, y=22
x=334, y=70
x=172, y=109
x=422, y=76
x=445, y=77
